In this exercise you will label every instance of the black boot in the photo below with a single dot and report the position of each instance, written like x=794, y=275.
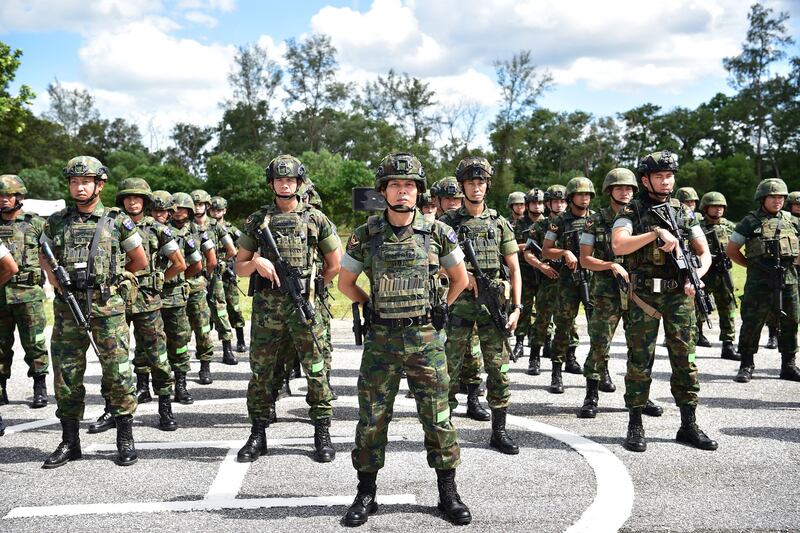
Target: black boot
x=240, y=345
x=501, y=440
x=548, y=346
x=295, y=373
x=789, y=369
x=534, y=361
x=143, y=388
x=104, y=422
x=205, y=373
x=519, y=347
x=39, y=391
x=728, y=352
x=701, y=338
x=556, y=385
x=589, y=409
x=126, y=450
x=449, y=501
x=227, y=354
x=182, y=395
x=323, y=449
x=772, y=340
x=746, y=367
x=364, y=504
x=334, y=396
x=256, y=445
x=166, y=420
x=572, y=366
x=606, y=385
x=689, y=433
x=272, y=414
x=2, y=427
x=652, y=409
x=474, y=409
x=70, y=447
x=3, y=393
x=634, y=441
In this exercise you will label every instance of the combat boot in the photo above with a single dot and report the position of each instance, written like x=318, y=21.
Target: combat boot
x=652, y=409
x=272, y=414
x=182, y=395
x=3, y=393
x=589, y=409
x=701, y=338
x=287, y=388
x=335, y=396
x=39, y=391
x=501, y=440
x=634, y=441
x=606, y=385
x=728, y=352
x=789, y=369
x=772, y=338
x=534, y=363
x=556, y=385
x=746, y=367
x=241, y=347
x=104, y=422
x=689, y=432
x=548, y=346
x=143, y=388
x=166, y=420
x=572, y=366
x=519, y=347
x=256, y=445
x=295, y=373
x=205, y=373
x=323, y=449
x=474, y=409
x=70, y=447
x=2, y=427
x=364, y=504
x=126, y=450
x=449, y=501
x=227, y=354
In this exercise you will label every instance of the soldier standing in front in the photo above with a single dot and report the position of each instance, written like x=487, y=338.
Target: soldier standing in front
x=8, y=268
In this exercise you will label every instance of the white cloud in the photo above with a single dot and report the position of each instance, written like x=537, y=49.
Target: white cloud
x=198, y=17
x=78, y=16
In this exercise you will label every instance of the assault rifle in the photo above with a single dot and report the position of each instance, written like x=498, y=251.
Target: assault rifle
x=536, y=248
x=776, y=279
x=580, y=275
x=290, y=282
x=685, y=261
x=229, y=275
x=62, y=276
x=488, y=294
x=359, y=329
x=720, y=262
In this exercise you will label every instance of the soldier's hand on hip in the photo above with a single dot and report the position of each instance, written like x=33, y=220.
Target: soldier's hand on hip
x=266, y=269
x=617, y=270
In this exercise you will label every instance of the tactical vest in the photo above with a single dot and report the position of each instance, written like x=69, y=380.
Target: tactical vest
x=401, y=272
x=152, y=275
x=723, y=234
x=73, y=246
x=649, y=255
x=602, y=238
x=776, y=235
x=295, y=237
x=484, y=235
x=572, y=223
x=21, y=241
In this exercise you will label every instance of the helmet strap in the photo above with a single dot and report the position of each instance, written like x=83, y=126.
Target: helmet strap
x=400, y=208
x=92, y=197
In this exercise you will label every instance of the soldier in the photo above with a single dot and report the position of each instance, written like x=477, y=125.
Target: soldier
x=218, y=210
x=404, y=333
x=516, y=205
x=793, y=203
x=770, y=238
x=492, y=238
x=300, y=232
x=447, y=195
x=607, y=283
x=534, y=212
x=174, y=294
x=688, y=197
x=8, y=268
x=165, y=262
x=712, y=207
x=22, y=300
x=92, y=243
x=196, y=305
x=559, y=244
x=659, y=291
x=427, y=206
x=225, y=249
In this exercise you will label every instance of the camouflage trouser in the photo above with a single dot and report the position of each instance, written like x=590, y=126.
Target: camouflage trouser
x=546, y=305
x=472, y=365
x=198, y=313
x=325, y=340
x=276, y=330
x=420, y=352
x=178, y=333
x=726, y=308
x=29, y=320
x=757, y=309
x=232, y=304
x=150, y=354
x=605, y=319
x=525, y=324
x=567, y=306
x=641, y=333
x=219, y=310
x=68, y=346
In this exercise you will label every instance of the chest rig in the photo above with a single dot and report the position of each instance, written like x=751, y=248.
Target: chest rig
x=776, y=237
x=152, y=275
x=21, y=240
x=485, y=235
x=401, y=272
x=295, y=237
x=602, y=237
x=90, y=251
x=650, y=255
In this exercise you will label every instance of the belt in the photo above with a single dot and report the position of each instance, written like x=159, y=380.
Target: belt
x=401, y=322
x=460, y=322
x=657, y=285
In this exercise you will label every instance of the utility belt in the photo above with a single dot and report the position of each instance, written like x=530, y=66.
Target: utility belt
x=459, y=322
x=27, y=278
x=398, y=323
x=154, y=280
x=265, y=284
x=642, y=283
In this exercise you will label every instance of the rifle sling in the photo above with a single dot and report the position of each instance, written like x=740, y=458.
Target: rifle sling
x=98, y=230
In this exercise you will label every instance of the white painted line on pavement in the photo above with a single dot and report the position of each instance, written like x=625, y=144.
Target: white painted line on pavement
x=197, y=505
x=230, y=478
x=226, y=444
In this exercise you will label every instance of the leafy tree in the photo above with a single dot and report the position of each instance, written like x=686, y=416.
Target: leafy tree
x=13, y=112
x=190, y=150
x=44, y=185
x=70, y=108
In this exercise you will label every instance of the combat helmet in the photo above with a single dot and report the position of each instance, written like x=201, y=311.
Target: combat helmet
x=83, y=165
x=658, y=162
x=471, y=168
x=200, y=196
x=579, y=184
x=687, y=194
x=449, y=188
x=400, y=166
x=134, y=187
x=793, y=198
x=308, y=193
x=12, y=184
x=425, y=198
x=619, y=176
x=162, y=201
x=771, y=186
x=181, y=199
x=555, y=192
x=219, y=203
x=535, y=195
x=515, y=197
x=286, y=166
x=712, y=198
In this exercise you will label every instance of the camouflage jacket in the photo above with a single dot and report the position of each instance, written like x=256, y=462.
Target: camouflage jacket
x=754, y=231
x=597, y=233
x=22, y=235
x=176, y=290
x=158, y=243
x=558, y=229
x=523, y=230
x=491, y=235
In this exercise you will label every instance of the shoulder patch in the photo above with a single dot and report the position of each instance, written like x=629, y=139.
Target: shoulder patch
x=353, y=242
x=167, y=231
x=589, y=224
x=451, y=236
x=553, y=227
x=128, y=223
x=190, y=243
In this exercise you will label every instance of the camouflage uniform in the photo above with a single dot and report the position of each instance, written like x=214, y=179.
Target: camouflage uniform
x=724, y=300
x=216, y=293
x=196, y=306
x=523, y=228
x=230, y=286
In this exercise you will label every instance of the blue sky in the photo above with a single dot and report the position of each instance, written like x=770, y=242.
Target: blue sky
x=160, y=61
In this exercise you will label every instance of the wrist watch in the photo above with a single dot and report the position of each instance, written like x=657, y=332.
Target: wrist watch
x=518, y=306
